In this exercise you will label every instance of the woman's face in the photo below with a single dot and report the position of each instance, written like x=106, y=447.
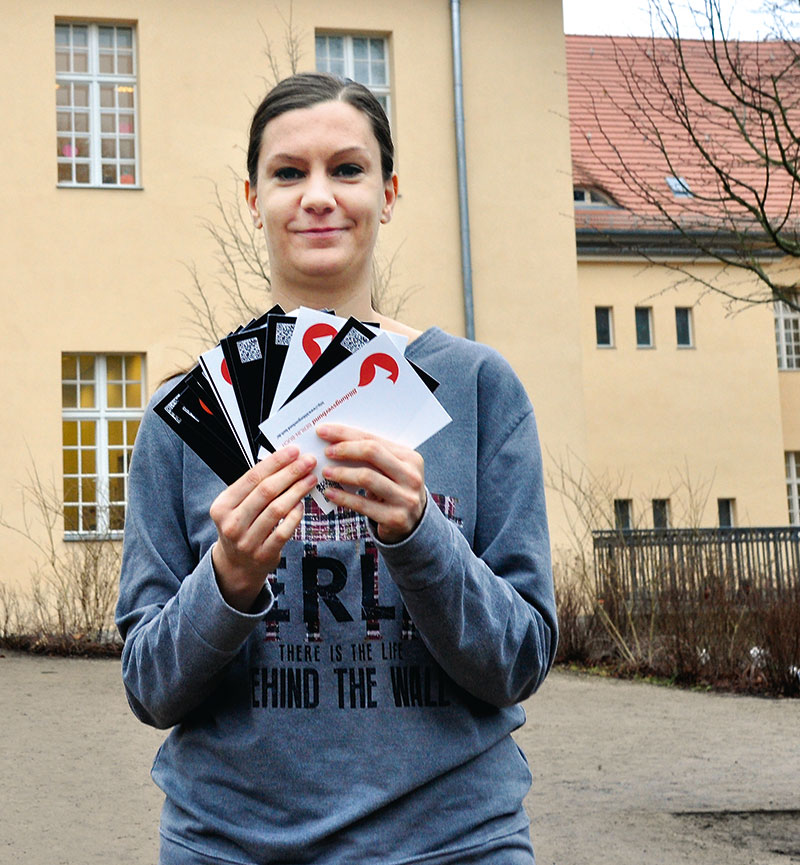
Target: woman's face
x=320, y=195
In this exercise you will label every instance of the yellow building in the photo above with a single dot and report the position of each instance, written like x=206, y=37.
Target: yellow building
x=690, y=420
x=123, y=118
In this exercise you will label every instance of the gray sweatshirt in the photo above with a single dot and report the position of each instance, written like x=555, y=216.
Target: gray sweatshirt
x=362, y=713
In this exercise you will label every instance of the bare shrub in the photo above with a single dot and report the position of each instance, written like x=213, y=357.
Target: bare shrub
x=70, y=607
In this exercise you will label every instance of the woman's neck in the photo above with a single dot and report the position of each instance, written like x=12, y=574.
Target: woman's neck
x=357, y=304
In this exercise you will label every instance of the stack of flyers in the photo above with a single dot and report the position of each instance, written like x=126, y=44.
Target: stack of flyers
x=269, y=383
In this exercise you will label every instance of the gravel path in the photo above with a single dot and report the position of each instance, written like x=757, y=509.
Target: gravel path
x=624, y=773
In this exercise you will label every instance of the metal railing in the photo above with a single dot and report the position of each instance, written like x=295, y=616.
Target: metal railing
x=635, y=564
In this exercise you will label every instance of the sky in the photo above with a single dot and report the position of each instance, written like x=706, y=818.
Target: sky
x=630, y=17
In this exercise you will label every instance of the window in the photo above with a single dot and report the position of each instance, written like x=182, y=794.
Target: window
x=644, y=327
x=363, y=58
x=787, y=336
x=623, y=519
x=661, y=514
x=679, y=187
x=96, y=105
x=603, y=326
x=726, y=509
x=793, y=486
x=591, y=198
x=102, y=402
x=683, y=326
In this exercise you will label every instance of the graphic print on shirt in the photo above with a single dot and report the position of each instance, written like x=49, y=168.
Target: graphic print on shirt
x=342, y=638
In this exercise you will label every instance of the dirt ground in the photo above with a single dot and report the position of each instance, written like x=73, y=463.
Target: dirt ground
x=624, y=773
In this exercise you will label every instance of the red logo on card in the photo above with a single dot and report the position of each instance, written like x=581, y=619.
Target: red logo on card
x=310, y=337
x=225, y=371
x=373, y=363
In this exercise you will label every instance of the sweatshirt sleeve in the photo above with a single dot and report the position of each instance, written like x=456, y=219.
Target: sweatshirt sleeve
x=487, y=614
x=178, y=632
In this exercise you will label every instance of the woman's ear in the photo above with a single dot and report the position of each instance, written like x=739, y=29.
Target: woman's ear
x=251, y=196
x=390, y=199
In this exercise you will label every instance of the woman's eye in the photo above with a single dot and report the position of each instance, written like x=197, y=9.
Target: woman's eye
x=348, y=169
x=288, y=173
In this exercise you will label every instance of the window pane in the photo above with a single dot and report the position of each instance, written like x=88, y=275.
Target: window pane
x=70, y=489
x=80, y=35
x=106, y=63
x=133, y=395
x=87, y=367
x=116, y=461
x=116, y=518
x=69, y=395
x=80, y=61
x=63, y=94
x=109, y=173
x=643, y=337
x=107, y=96
x=360, y=50
x=116, y=432
x=81, y=173
x=127, y=173
x=622, y=513
x=108, y=123
x=124, y=64
x=88, y=461
x=62, y=34
x=87, y=396
x=62, y=61
x=131, y=428
x=80, y=95
x=81, y=121
x=109, y=148
x=124, y=37
x=126, y=149
x=89, y=519
x=70, y=519
x=70, y=461
x=660, y=513
x=602, y=319
x=87, y=432
x=125, y=97
x=682, y=325
x=126, y=124
x=70, y=432
x=106, y=37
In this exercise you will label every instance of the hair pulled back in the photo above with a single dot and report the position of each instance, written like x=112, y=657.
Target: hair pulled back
x=310, y=88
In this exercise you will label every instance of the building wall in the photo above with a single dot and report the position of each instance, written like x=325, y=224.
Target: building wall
x=104, y=270
x=689, y=424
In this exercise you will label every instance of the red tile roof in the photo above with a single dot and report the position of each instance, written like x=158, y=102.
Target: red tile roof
x=619, y=111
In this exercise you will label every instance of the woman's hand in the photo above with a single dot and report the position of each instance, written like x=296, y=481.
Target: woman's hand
x=255, y=516
x=392, y=476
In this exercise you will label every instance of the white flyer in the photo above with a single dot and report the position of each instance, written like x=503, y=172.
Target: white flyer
x=375, y=390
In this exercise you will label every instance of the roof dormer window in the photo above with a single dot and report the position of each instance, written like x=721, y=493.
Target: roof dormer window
x=584, y=196
x=679, y=187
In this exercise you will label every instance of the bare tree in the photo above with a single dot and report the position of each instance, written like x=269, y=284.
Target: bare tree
x=702, y=139
x=239, y=288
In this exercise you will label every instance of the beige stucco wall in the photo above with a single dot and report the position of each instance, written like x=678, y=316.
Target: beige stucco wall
x=95, y=270
x=689, y=424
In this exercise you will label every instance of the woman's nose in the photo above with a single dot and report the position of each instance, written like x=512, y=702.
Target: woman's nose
x=318, y=193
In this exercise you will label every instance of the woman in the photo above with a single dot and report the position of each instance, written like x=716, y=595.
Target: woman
x=342, y=689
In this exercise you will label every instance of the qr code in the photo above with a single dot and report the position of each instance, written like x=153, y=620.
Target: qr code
x=249, y=349
x=354, y=340
x=168, y=408
x=283, y=333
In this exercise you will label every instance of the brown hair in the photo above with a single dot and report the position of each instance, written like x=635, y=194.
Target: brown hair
x=310, y=88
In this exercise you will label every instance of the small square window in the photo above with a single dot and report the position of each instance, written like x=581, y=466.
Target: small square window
x=683, y=326
x=623, y=514
x=661, y=513
x=644, y=327
x=603, y=326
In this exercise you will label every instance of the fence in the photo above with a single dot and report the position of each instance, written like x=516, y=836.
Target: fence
x=638, y=563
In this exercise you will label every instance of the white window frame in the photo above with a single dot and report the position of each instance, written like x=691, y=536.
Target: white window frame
x=793, y=486
x=651, y=341
x=382, y=91
x=689, y=326
x=101, y=414
x=610, y=312
x=93, y=78
x=787, y=335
